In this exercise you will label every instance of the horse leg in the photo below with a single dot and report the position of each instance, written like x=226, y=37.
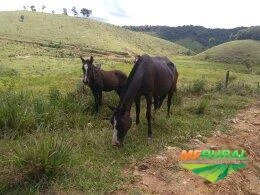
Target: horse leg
x=155, y=104
x=95, y=94
x=149, y=116
x=169, y=102
x=137, y=109
x=100, y=97
x=161, y=100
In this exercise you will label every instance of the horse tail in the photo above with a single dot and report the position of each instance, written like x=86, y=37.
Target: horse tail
x=175, y=78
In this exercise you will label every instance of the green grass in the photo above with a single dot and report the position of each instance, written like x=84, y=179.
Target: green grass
x=51, y=30
x=94, y=164
x=234, y=52
x=45, y=98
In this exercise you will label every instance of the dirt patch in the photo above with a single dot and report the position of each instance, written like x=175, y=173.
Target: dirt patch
x=162, y=174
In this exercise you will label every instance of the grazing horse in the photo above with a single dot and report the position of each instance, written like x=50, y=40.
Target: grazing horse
x=99, y=80
x=152, y=77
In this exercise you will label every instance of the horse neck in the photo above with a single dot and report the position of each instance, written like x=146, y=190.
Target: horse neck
x=95, y=70
x=131, y=91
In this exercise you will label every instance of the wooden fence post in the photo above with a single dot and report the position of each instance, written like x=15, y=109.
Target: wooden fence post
x=227, y=77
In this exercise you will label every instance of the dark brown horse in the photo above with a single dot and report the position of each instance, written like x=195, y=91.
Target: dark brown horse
x=99, y=80
x=152, y=77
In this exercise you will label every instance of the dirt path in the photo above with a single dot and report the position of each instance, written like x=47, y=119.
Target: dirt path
x=161, y=174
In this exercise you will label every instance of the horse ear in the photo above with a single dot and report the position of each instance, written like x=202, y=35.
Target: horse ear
x=111, y=107
x=82, y=59
x=91, y=60
x=137, y=57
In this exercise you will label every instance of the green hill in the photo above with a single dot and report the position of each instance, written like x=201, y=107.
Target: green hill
x=191, y=44
x=235, y=52
x=80, y=32
x=196, y=38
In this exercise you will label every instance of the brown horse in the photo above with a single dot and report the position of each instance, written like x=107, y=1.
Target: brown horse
x=99, y=80
x=152, y=77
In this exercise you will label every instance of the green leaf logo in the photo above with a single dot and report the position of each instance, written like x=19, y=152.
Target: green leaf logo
x=213, y=172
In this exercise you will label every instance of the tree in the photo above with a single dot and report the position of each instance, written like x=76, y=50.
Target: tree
x=74, y=10
x=33, y=8
x=232, y=37
x=21, y=18
x=53, y=12
x=65, y=11
x=212, y=41
x=43, y=7
x=24, y=7
x=86, y=12
x=252, y=32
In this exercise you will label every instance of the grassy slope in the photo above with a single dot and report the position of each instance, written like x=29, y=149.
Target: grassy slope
x=233, y=52
x=191, y=44
x=41, y=27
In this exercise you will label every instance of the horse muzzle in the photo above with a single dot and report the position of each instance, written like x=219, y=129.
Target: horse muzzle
x=117, y=144
x=85, y=81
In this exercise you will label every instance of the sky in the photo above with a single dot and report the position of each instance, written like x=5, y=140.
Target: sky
x=208, y=13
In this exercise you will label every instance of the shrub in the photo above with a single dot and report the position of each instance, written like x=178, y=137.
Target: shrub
x=54, y=44
x=201, y=108
x=37, y=163
x=219, y=85
x=15, y=113
x=240, y=88
x=198, y=86
x=21, y=18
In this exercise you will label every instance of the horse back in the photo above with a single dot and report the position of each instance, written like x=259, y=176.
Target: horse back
x=113, y=80
x=158, y=74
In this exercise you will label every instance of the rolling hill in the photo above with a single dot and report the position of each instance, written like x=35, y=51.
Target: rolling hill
x=196, y=38
x=235, y=52
x=65, y=30
x=192, y=44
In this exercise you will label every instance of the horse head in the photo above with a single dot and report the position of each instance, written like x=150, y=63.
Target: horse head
x=86, y=68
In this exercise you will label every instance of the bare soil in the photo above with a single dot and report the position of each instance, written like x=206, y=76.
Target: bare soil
x=162, y=174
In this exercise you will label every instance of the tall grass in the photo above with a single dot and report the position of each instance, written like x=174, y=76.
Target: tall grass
x=22, y=112
x=36, y=163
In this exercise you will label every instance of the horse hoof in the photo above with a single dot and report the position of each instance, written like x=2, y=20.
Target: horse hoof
x=149, y=141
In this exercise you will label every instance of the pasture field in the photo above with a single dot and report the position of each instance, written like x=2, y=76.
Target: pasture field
x=51, y=139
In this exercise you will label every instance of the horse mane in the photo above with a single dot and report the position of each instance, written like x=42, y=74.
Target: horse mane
x=129, y=80
x=132, y=73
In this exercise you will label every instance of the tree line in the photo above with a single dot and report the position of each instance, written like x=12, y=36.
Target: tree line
x=84, y=11
x=206, y=36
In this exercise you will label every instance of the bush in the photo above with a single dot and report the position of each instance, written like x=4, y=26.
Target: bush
x=198, y=86
x=15, y=114
x=219, y=85
x=201, y=108
x=55, y=44
x=240, y=88
x=36, y=163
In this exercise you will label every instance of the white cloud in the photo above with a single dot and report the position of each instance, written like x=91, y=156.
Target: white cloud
x=209, y=13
